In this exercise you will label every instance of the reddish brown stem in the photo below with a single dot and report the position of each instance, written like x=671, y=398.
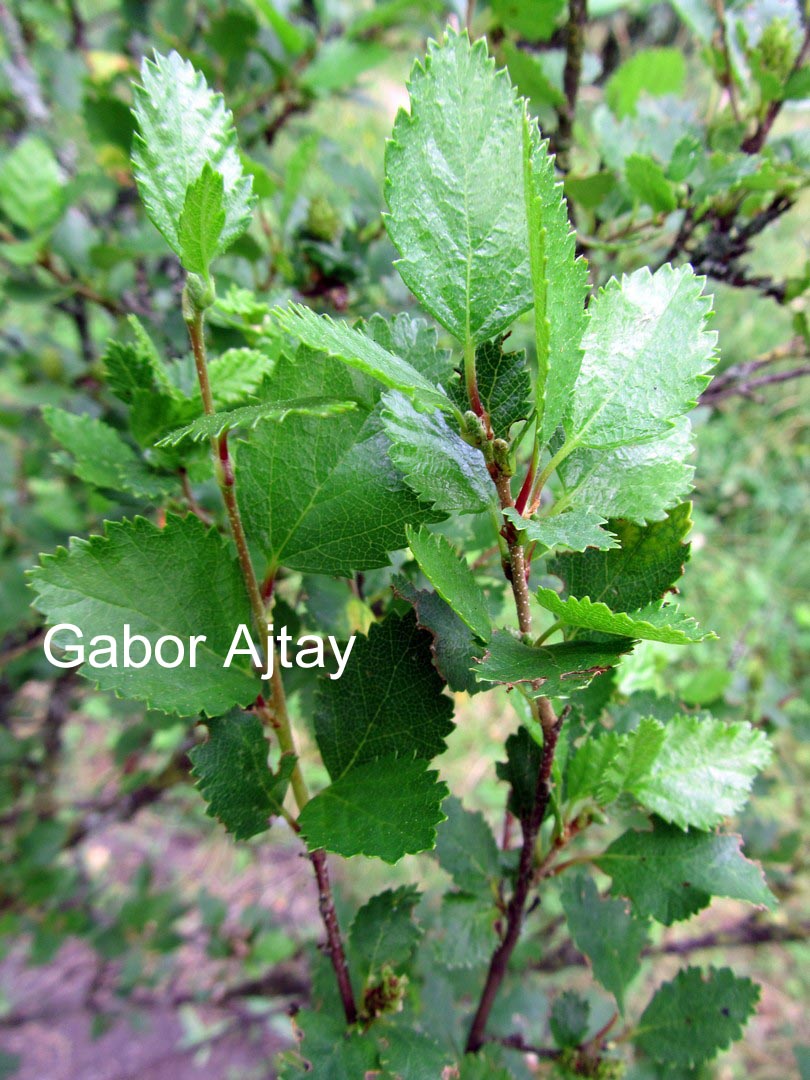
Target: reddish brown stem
x=334, y=946
x=517, y=904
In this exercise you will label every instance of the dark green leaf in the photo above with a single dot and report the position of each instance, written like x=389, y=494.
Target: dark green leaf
x=465, y=930
x=692, y=1018
x=454, y=646
x=384, y=932
x=466, y=849
x=414, y=342
x=521, y=770
x=554, y=670
x=304, y=485
x=108, y=581
x=388, y=701
x=669, y=874
x=605, y=931
x=503, y=385
x=386, y=808
x=569, y=1019
x=452, y=579
x=233, y=775
x=648, y=563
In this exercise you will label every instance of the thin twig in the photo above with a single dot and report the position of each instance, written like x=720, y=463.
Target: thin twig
x=572, y=76
x=754, y=143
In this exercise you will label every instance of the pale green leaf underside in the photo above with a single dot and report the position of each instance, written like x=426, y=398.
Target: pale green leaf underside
x=669, y=874
x=201, y=223
x=452, y=579
x=639, y=482
x=179, y=580
x=645, y=359
x=697, y=1014
x=438, y=465
x=560, y=283
x=652, y=623
x=552, y=670
x=574, y=529
x=388, y=701
x=360, y=351
x=236, y=374
x=454, y=185
x=209, y=427
x=185, y=126
x=233, y=776
x=386, y=809
x=702, y=771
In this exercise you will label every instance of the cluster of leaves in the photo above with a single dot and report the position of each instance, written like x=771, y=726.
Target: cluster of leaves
x=359, y=442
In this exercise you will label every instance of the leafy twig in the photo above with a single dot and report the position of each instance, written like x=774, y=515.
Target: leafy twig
x=754, y=143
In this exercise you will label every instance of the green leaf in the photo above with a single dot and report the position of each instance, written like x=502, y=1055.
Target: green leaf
x=101, y=457
x=233, y=775
x=454, y=185
x=503, y=385
x=559, y=283
x=574, y=529
x=341, y=467
x=605, y=931
x=703, y=771
x=452, y=579
x=358, y=350
x=638, y=482
x=646, y=354
x=202, y=221
x=408, y=1053
x=652, y=623
x=466, y=849
x=569, y=1018
x=339, y=63
x=642, y=570
x=108, y=581
x=520, y=771
x=294, y=39
x=552, y=670
x=236, y=374
x=326, y=1049
x=649, y=71
x=530, y=20
x=438, y=465
x=384, y=932
x=184, y=127
x=414, y=342
x=135, y=366
x=669, y=874
x=465, y=931
x=700, y=1012
x=386, y=808
x=633, y=761
x=648, y=182
x=388, y=701
x=32, y=192
x=529, y=76
x=454, y=646
x=209, y=427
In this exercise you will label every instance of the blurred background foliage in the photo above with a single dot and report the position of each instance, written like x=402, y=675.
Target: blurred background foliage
x=123, y=909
